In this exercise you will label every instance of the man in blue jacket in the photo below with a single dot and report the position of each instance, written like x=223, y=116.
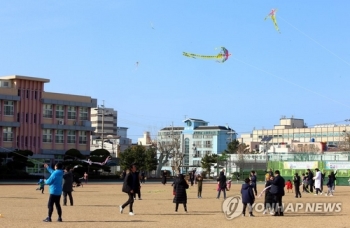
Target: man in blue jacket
x=55, y=183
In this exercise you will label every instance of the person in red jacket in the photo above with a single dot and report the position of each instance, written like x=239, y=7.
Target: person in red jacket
x=289, y=186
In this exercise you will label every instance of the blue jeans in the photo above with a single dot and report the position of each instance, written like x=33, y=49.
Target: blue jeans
x=224, y=190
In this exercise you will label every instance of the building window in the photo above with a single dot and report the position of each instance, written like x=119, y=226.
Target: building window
x=26, y=141
x=27, y=93
x=71, y=112
x=35, y=95
x=59, y=111
x=59, y=136
x=82, y=137
x=19, y=92
x=47, y=135
x=71, y=137
x=83, y=113
x=7, y=134
x=8, y=108
x=207, y=144
x=34, y=118
x=47, y=113
x=26, y=117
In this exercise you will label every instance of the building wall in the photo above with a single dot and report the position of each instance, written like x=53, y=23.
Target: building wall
x=32, y=124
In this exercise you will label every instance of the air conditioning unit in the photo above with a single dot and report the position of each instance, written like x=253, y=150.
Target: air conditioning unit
x=60, y=122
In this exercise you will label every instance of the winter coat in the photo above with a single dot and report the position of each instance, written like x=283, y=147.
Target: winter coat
x=269, y=198
x=330, y=182
x=296, y=180
x=55, y=181
x=67, y=182
x=222, y=180
x=318, y=179
x=247, y=194
x=164, y=174
x=180, y=191
x=130, y=183
x=277, y=186
x=310, y=177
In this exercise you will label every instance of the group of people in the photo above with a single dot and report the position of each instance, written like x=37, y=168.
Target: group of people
x=315, y=182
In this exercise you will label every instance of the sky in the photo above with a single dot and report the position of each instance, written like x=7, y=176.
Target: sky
x=92, y=48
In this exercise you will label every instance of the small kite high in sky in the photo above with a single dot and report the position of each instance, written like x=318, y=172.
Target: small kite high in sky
x=272, y=15
x=221, y=57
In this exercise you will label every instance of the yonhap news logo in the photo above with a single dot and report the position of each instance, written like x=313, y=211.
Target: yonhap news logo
x=232, y=207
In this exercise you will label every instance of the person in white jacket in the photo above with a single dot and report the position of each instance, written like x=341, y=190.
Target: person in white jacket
x=318, y=179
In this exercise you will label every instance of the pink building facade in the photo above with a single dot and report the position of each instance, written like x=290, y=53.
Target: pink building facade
x=43, y=122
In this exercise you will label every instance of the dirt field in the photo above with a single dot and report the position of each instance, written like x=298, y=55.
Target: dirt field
x=96, y=205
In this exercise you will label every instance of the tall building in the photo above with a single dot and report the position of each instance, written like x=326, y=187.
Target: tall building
x=46, y=123
x=197, y=138
x=292, y=130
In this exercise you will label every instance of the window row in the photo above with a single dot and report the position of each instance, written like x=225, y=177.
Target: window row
x=59, y=136
x=47, y=136
x=60, y=112
x=30, y=94
x=306, y=135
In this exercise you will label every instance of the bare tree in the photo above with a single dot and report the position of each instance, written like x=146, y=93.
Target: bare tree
x=345, y=143
x=168, y=145
x=242, y=150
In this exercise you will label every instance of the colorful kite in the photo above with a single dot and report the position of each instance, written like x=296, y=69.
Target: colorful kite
x=221, y=57
x=272, y=15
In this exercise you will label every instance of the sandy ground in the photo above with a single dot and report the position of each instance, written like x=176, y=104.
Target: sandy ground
x=97, y=205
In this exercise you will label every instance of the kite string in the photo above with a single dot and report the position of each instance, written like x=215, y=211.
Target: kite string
x=315, y=41
x=293, y=83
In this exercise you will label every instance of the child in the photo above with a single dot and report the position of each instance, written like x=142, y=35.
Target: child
x=41, y=183
x=228, y=184
x=199, y=180
x=289, y=186
x=303, y=177
x=248, y=197
x=330, y=185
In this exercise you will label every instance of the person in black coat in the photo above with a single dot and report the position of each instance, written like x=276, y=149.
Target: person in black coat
x=297, y=181
x=269, y=198
x=248, y=197
x=131, y=184
x=67, y=186
x=180, y=187
x=333, y=175
x=164, y=175
x=253, y=180
x=222, y=184
x=138, y=190
x=310, y=180
x=277, y=189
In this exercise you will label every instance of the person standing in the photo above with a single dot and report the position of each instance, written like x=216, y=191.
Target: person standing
x=55, y=183
x=130, y=185
x=86, y=177
x=269, y=198
x=164, y=176
x=180, y=192
x=143, y=175
x=221, y=184
x=310, y=180
x=333, y=174
x=318, y=179
x=67, y=186
x=199, y=180
x=192, y=176
x=330, y=184
x=277, y=189
x=248, y=197
x=253, y=180
x=138, y=190
x=296, y=181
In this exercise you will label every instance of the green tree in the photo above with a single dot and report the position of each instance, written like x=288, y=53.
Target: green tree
x=20, y=159
x=151, y=159
x=232, y=147
x=207, y=162
x=133, y=155
x=99, y=155
x=71, y=157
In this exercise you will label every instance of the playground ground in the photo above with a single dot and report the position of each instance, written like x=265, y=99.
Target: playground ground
x=97, y=205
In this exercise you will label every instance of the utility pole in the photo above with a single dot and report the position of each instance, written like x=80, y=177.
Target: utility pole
x=103, y=114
